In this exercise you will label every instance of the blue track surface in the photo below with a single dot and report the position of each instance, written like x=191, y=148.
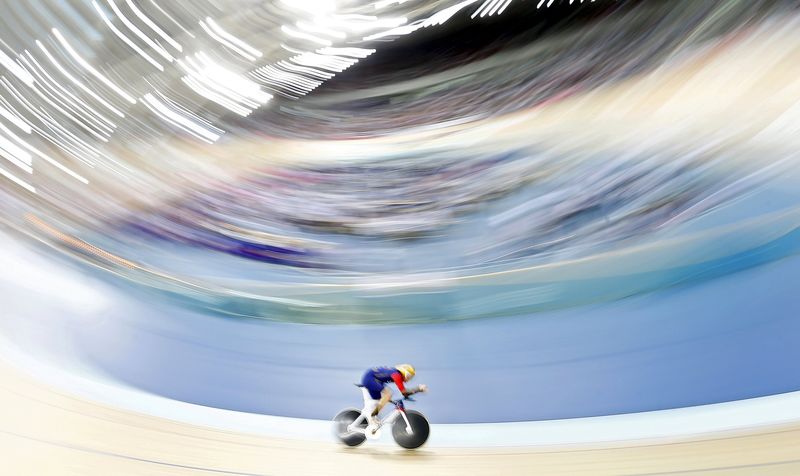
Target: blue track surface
x=726, y=339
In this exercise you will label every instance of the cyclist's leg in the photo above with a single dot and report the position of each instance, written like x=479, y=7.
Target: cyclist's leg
x=386, y=395
x=369, y=405
x=369, y=402
x=371, y=392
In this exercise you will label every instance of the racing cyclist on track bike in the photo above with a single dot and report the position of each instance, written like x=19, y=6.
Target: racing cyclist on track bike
x=377, y=394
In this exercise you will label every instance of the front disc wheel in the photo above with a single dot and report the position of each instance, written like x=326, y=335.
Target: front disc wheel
x=420, y=429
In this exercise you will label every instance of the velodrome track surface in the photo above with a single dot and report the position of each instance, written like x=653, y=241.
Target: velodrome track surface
x=44, y=431
x=693, y=345
x=53, y=422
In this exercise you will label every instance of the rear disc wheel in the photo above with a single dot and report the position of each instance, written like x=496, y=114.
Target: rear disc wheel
x=340, y=423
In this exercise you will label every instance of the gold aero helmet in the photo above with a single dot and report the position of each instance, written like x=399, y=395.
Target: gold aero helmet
x=407, y=371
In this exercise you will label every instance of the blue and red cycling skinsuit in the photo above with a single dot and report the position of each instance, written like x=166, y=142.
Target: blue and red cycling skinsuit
x=377, y=377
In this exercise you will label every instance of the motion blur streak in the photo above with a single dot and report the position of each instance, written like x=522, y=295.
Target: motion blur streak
x=571, y=210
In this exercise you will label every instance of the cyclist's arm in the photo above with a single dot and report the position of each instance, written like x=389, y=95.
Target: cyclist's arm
x=398, y=380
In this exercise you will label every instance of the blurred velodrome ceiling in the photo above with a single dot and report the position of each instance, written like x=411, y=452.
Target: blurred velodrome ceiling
x=188, y=120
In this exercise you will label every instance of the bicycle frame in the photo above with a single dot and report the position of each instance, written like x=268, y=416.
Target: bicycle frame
x=399, y=410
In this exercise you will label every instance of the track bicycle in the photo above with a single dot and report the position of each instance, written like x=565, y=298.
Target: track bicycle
x=410, y=428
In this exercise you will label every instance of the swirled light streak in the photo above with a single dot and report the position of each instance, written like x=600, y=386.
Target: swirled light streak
x=173, y=20
x=235, y=43
x=80, y=84
x=484, y=9
x=136, y=31
x=235, y=85
x=362, y=23
x=15, y=69
x=385, y=3
x=46, y=120
x=294, y=82
x=91, y=69
x=171, y=114
x=331, y=63
x=321, y=29
x=354, y=52
x=52, y=97
x=77, y=147
x=226, y=43
x=15, y=155
x=92, y=113
x=125, y=38
x=314, y=7
x=150, y=23
x=305, y=70
x=305, y=36
x=17, y=180
x=230, y=90
x=13, y=117
x=291, y=50
x=505, y=5
x=203, y=90
x=46, y=157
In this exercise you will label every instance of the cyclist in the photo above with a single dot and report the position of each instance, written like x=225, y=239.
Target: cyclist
x=377, y=394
